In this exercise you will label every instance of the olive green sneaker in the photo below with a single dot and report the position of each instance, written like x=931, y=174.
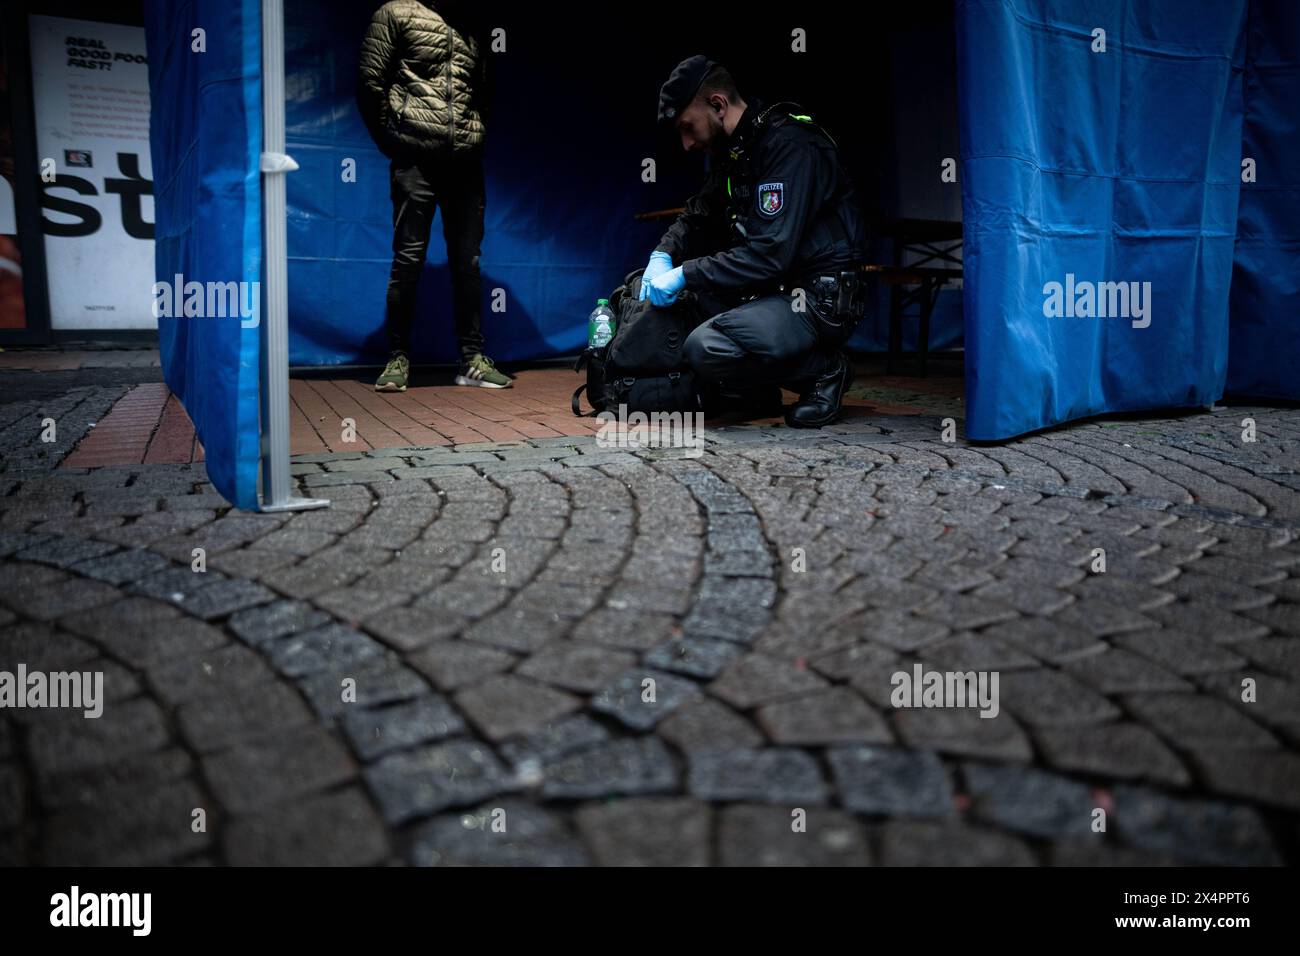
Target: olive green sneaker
x=393, y=378
x=481, y=372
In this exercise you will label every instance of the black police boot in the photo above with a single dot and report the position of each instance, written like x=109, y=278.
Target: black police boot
x=820, y=405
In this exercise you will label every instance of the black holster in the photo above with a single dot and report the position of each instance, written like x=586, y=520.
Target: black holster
x=837, y=302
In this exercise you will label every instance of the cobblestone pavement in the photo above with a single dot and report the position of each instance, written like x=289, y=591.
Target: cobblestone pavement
x=499, y=609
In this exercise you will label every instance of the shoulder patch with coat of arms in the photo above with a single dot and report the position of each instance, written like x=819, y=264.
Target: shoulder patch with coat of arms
x=771, y=198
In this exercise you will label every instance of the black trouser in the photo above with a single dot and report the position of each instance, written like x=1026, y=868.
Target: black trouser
x=417, y=190
x=761, y=342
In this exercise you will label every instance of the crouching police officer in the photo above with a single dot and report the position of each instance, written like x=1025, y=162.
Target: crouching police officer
x=769, y=246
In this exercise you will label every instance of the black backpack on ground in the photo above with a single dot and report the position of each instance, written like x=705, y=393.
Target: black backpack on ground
x=642, y=367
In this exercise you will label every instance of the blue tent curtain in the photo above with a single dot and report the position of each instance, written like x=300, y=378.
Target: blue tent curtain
x=1264, y=343
x=562, y=189
x=1083, y=167
x=206, y=135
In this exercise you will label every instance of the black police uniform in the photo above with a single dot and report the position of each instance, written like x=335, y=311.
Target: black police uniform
x=777, y=214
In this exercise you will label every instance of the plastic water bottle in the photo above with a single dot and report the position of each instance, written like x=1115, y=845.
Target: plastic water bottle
x=600, y=325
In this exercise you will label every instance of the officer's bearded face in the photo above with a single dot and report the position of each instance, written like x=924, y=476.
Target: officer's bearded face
x=701, y=129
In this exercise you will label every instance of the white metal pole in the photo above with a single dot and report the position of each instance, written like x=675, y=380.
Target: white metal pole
x=275, y=323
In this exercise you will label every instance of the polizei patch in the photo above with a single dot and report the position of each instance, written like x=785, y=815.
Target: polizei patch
x=771, y=198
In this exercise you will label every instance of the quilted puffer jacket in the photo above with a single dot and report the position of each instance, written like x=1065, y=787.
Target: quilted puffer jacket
x=423, y=79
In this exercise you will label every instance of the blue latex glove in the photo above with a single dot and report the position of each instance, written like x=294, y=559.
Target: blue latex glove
x=660, y=262
x=664, y=289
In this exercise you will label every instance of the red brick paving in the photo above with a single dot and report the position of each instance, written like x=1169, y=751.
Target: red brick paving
x=431, y=414
x=149, y=425
x=174, y=441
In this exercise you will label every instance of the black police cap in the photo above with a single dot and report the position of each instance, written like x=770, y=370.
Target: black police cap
x=683, y=83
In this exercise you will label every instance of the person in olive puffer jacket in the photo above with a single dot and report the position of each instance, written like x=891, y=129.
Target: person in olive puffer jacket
x=423, y=94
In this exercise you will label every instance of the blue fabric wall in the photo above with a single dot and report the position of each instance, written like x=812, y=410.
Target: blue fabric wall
x=1115, y=166
x=563, y=179
x=206, y=136
x=1264, y=342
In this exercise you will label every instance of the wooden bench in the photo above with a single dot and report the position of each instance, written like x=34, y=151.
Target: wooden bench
x=933, y=246
x=926, y=283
